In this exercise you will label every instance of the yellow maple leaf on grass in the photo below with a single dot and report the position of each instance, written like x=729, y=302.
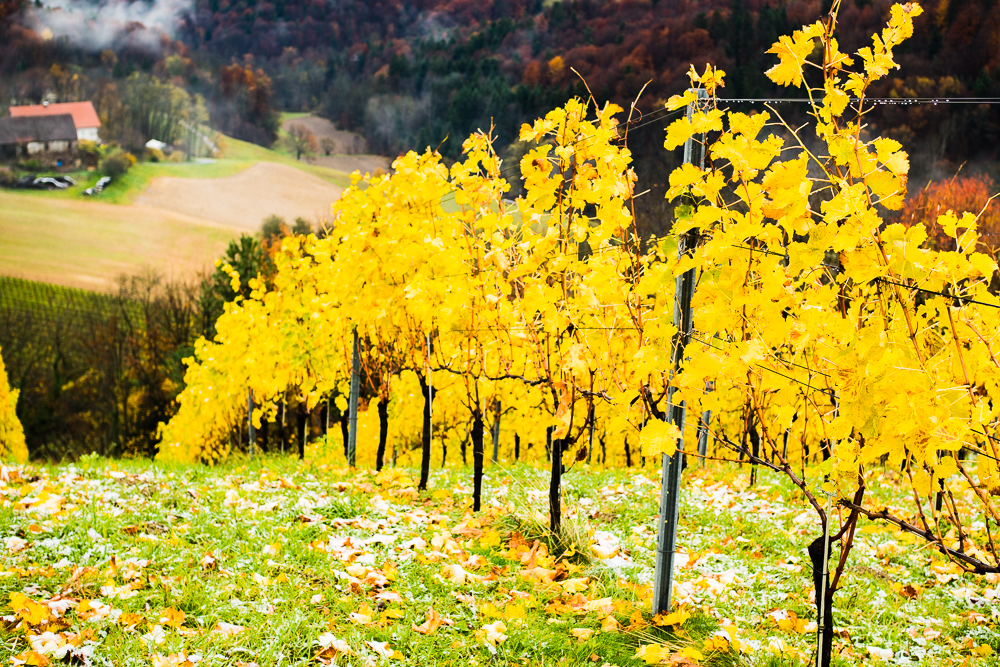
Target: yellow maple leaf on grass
x=661, y=654
x=331, y=648
x=31, y=612
x=576, y=585
x=363, y=616
x=172, y=660
x=659, y=437
x=457, y=574
x=787, y=620
x=30, y=658
x=384, y=650
x=673, y=618
x=610, y=624
x=172, y=617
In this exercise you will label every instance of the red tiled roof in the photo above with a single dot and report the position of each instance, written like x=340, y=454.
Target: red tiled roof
x=84, y=114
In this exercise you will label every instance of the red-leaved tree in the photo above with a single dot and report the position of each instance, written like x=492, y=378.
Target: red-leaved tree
x=961, y=193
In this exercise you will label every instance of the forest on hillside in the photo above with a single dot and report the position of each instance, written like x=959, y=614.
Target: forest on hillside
x=408, y=75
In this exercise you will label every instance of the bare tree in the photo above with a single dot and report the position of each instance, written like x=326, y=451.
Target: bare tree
x=301, y=140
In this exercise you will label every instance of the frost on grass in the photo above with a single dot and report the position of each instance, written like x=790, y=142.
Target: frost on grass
x=106, y=563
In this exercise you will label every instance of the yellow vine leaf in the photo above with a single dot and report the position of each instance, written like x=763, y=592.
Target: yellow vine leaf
x=792, y=53
x=659, y=437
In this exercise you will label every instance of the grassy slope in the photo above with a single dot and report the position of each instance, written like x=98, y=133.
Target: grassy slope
x=245, y=151
x=124, y=189
x=88, y=244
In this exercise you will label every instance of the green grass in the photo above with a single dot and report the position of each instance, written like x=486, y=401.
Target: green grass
x=123, y=190
x=281, y=532
x=65, y=237
x=242, y=150
x=294, y=115
x=126, y=188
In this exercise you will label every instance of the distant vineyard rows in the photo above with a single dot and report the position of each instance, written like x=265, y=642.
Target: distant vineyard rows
x=54, y=302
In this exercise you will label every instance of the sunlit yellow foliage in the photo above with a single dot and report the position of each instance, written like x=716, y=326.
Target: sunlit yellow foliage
x=12, y=445
x=823, y=327
x=822, y=335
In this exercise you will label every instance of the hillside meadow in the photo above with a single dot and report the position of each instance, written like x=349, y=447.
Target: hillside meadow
x=89, y=244
x=175, y=218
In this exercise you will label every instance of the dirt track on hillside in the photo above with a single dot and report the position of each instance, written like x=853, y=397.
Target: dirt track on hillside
x=245, y=199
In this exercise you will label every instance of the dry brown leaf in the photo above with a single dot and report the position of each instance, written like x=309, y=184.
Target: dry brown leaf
x=433, y=622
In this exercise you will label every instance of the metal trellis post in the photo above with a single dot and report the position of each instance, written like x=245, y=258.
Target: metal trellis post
x=671, y=474
x=706, y=418
x=590, y=436
x=430, y=391
x=352, y=435
x=253, y=431
x=496, y=429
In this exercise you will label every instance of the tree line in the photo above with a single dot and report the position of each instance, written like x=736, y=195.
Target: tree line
x=98, y=372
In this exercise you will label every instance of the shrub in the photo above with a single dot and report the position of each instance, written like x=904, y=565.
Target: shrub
x=155, y=155
x=177, y=156
x=90, y=152
x=12, y=445
x=117, y=163
x=7, y=177
x=274, y=227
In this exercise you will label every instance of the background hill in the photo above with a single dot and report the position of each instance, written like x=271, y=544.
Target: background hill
x=407, y=75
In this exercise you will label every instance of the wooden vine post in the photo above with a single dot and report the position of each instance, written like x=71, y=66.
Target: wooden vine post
x=666, y=542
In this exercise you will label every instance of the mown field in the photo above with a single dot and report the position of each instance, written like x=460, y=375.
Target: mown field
x=66, y=238
x=89, y=244
x=276, y=562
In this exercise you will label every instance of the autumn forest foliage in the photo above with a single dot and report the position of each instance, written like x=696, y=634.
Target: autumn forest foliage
x=408, y=75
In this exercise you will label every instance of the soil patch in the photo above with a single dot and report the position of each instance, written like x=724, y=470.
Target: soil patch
x=243, y=200
x=347, y=143
x=351, y=163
